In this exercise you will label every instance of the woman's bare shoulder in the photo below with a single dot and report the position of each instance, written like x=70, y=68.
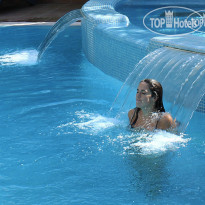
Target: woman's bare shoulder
x=166, y=122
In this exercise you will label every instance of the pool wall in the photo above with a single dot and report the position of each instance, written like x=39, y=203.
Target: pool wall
x=115, y=46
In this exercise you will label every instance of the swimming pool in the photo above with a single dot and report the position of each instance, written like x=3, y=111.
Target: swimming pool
x=60, y=145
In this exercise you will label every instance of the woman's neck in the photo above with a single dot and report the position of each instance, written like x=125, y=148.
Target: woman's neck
x=147, y=112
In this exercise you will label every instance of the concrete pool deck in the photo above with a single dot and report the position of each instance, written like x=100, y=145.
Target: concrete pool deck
x=43, y=11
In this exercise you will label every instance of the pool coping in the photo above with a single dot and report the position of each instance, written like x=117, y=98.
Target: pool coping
x=4, y=24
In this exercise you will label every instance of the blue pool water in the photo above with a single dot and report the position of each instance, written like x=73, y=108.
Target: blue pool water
x=60, y=145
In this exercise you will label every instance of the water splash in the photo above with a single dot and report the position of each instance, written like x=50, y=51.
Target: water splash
x=128, y=141
x=154, y=143
x=24, y=57
x=95, y=122
x=90, y=123
x=31, y=57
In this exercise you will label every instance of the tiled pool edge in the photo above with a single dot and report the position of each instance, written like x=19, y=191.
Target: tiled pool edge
x=5, y=24
x=107, y=45
x=97, y=28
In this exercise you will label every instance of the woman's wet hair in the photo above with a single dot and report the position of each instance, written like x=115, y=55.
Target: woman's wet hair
x=157, y=92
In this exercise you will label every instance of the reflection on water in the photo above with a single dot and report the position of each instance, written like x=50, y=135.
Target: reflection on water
x=149, y=174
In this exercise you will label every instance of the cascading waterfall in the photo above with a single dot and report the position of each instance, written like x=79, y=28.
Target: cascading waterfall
x=181, y=74
x=59, y=26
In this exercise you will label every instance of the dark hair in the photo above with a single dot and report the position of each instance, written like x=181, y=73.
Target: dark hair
x=157, y=92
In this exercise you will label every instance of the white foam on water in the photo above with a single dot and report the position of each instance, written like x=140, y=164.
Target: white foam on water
x=157, y=142
x=140, y=142
x=94, y=122
x=90, y=122
x=24, y=57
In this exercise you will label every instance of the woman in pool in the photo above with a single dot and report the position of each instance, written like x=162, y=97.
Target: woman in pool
x=149, y=112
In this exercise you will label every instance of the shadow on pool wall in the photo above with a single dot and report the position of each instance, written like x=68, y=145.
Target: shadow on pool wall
x=115, y=46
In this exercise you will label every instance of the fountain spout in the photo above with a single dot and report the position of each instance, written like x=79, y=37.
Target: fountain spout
x=59, y=26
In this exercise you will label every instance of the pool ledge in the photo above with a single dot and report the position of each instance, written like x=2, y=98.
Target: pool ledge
x=5, y=24
x=189, y=42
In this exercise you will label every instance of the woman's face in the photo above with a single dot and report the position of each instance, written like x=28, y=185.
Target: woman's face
x=144, y=97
